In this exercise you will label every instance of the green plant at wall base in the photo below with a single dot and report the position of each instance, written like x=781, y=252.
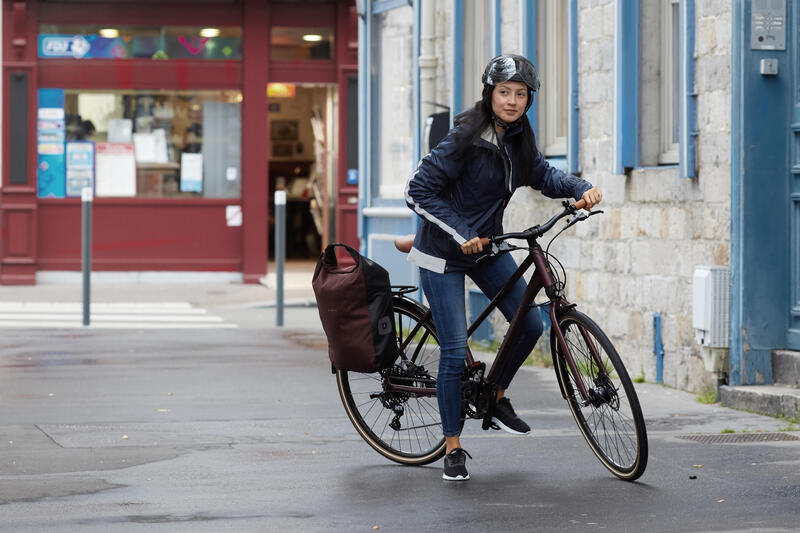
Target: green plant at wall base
x=640, y=377
x=728, y=430
x=708, y=396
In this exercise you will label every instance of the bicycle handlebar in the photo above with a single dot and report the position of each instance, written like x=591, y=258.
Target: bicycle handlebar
x=538, y=231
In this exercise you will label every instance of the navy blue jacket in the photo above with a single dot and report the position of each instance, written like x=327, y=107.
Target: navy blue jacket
x=459, y=198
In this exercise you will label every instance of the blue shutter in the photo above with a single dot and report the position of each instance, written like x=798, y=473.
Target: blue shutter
x=573, y=110
x=626, y=85
x=688, y=96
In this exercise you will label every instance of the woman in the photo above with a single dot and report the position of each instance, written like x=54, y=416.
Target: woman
x=460, y=191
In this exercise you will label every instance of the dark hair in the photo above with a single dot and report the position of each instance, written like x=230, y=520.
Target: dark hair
x=472, y=123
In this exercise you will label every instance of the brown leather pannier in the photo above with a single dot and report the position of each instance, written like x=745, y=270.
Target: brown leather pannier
x=355, y=307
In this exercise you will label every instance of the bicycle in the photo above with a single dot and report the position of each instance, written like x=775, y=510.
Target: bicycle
x=396, y=413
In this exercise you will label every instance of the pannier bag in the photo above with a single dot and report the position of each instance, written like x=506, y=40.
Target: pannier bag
x=355, y=307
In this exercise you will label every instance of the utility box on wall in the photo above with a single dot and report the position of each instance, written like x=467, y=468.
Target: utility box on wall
x=710, y=298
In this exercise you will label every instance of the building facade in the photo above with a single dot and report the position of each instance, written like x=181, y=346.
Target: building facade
x=683, y=112
x=183, y=118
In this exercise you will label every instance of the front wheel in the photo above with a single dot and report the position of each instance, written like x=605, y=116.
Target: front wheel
x=610, y=418
x=402, y=426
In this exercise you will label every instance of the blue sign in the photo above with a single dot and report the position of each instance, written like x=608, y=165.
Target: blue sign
x=71, y=46
x=80, y=166
x=50, y=137
x=352, y=176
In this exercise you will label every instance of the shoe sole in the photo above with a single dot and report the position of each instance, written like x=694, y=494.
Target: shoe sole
x=457, y=478
x=508, y=429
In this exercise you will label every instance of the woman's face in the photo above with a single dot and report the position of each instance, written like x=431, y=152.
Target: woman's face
x=509, y=99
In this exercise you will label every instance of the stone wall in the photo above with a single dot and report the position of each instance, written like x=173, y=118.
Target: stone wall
x=639, y=257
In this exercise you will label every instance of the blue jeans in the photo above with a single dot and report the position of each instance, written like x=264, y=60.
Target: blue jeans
x=445, y=293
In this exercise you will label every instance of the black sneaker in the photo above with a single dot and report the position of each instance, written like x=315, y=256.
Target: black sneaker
x=505, y=417
x=455, y=467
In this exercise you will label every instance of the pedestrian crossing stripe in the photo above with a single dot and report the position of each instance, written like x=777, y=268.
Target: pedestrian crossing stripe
x=133, y=315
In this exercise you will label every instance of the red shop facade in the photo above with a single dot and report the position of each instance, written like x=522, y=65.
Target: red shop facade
x=184, y=117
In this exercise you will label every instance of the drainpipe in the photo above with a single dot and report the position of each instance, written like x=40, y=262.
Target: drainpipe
x=427, y=62
x=658, y=348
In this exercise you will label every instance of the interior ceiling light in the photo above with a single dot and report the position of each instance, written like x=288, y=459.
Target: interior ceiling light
x=109, y=33
x=312, y=37
x=281, y=90
x=209, y=32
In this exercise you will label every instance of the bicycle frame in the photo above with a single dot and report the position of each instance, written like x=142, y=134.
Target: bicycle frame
x=542, y=279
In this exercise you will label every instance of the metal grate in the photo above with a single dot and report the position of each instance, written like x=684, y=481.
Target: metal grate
x=737, y=438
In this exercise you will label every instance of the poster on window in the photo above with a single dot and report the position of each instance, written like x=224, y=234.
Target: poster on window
x=191, y=172
x=115, y=169
x=80, y=166
x=50, y=136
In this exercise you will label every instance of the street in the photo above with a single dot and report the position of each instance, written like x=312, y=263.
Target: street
x=243, y=430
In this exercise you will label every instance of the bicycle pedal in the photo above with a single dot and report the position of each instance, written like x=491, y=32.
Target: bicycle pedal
x=493, y=426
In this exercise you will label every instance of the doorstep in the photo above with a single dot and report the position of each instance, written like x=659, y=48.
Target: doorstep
x=772, y=400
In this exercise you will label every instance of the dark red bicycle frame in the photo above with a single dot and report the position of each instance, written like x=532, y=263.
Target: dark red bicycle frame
x=542, y=278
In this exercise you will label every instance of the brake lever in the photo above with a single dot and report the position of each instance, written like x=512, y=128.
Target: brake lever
x=498, y=249
x=581, y=215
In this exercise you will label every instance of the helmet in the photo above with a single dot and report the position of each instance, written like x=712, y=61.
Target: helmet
x=510, y=67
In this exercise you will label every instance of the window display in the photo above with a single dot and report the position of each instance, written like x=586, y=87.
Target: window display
x=183, y=143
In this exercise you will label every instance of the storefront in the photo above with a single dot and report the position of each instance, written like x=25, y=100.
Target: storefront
x=184, y=118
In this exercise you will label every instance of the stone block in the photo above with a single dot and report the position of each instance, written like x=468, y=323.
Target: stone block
x=706, y=36
x=716, y=223
x=713, y=73
x=712, y=8
x=629, y=220
x=677, y=221
x=590, y=24
x=622, y=257
x=715, y=181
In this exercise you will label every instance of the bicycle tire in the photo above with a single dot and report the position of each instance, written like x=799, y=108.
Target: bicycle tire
x=614, y=429
x=421, y=423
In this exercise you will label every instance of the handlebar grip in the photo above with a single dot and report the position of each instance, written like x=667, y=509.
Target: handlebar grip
x=580, y=204
x=485, y=241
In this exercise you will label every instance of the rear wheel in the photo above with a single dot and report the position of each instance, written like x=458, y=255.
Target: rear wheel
x=402, y=426
x=611, y=420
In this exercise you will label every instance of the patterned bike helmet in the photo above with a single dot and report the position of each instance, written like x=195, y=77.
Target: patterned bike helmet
x=511, y=67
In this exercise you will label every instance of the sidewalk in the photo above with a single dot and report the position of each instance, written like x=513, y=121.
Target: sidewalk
x=164, y=287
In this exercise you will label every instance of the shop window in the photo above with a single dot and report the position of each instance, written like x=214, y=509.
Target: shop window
x=392, y=68
x=160, y=144
x=139, y=42
x=551, y=62
x=289, y=43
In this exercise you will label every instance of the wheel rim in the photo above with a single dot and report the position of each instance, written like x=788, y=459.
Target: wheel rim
x=608, y=422
x=403, y=426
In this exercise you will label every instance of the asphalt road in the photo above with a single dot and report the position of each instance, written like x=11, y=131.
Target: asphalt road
x=243, y=430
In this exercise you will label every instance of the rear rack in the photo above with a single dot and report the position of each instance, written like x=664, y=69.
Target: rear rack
x=403, y=289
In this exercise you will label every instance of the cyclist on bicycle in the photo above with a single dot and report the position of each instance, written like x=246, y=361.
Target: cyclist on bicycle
x=460, y=191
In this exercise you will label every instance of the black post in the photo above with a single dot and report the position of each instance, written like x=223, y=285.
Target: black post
x=86, y=249
x=280, y=252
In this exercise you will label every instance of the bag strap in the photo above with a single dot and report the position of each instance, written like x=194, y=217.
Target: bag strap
x=329, y=255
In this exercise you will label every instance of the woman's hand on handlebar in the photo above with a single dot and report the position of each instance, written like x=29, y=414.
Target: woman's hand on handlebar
x=472, y=246
x=590, y=198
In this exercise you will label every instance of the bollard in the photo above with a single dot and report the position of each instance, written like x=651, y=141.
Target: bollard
x=86, y=250
x=280, y=253
x=658, y=348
